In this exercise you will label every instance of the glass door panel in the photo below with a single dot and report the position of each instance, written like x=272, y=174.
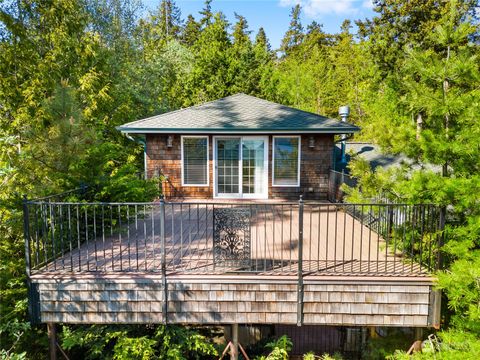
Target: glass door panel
x=241, y=167
x=228, y=159
x=253, y=167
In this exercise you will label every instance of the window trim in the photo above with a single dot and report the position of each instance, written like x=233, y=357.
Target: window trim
x=208, y=159
x=299, y=160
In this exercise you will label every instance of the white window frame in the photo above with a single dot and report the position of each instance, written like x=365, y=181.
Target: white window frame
x=208, y=158
x=299, y=159
x=240, y=195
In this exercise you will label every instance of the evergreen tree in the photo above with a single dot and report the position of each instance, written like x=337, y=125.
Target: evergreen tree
x=160, y=27
x=261, y=40
x=169, y=19
x=114, y=20
x=209, y=78
x=401, y=22
x=191, y=31
x=207, y=14
x=240, y=33
x=241, y=58
x=73, y=70
x=263, y=65
x=41, y=45
x=294, y=35
x=316, y=36
x=441, y=84
x=351, y=73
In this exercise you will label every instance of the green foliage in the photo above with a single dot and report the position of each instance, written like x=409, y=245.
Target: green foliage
x=452, y=345
x=428, y=110
x=405, y=23
x=380, y=347
x=312, y=356
x=293, y=36
x=139, y=342
x=279, y=349
x=209, y=78
x=71, y=71
x=461, y=284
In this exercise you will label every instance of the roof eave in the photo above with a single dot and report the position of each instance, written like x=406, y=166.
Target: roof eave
x=344, y=130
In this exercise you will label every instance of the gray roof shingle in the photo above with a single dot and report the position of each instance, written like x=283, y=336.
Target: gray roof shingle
x=238, y=113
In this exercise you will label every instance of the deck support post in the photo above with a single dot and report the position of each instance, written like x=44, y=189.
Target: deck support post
x=300, y=264
x=418, y=334
x=52, y=340
x=234, y=347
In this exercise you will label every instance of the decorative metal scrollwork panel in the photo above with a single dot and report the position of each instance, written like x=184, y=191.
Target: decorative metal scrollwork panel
x=231, y=237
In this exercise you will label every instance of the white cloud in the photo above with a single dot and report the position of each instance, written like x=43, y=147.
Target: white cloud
x=285, y=3
x=315, y=8
x=367, y=4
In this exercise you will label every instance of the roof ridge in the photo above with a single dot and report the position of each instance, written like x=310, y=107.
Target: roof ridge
x=297, y=109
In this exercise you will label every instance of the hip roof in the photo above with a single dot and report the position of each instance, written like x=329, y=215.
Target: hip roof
x=238, y=113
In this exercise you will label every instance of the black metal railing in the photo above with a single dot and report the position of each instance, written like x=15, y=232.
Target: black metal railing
x=298, y=238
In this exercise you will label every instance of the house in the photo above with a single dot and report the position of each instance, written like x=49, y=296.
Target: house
x=240, y=147
x=306, y=268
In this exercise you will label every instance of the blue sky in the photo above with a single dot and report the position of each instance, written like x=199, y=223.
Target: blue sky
x=273, y=15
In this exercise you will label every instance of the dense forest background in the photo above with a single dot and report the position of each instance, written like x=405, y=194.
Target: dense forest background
x=72, y=70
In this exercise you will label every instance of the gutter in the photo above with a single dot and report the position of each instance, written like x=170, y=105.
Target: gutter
x=345, y=130
x=348, y=137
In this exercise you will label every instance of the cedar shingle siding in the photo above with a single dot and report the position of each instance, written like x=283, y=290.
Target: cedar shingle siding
x=314, y=168
x=211, y=300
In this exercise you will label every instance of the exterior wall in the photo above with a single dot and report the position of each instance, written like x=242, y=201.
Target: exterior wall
x=314, y=168
x=168, y=161
x=315, y=165
x=224, y=300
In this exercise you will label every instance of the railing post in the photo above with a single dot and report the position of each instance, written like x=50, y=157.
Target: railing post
x=163, y=259
x=300, y=263
x=441, y=240
x=26, y=234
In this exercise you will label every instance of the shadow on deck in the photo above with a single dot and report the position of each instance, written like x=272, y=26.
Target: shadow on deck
x=261, y=238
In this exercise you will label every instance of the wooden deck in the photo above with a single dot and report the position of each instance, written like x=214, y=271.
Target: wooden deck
x=334, y=243
x=299, y=264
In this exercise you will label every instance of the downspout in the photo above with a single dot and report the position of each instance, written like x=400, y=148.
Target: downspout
x=344, y=111
x=143, y=141
x=343, y=139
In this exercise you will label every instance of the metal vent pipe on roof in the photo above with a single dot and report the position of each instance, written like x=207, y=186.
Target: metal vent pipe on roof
x=344, y=111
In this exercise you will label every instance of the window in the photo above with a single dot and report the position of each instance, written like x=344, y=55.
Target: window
x=195, y=160
x=286, y=161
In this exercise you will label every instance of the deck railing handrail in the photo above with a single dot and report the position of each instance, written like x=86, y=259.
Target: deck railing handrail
x=226, y=202
x=294, y=238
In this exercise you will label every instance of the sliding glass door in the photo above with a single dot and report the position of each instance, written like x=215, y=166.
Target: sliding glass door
x=228, y=173
x=241, y=169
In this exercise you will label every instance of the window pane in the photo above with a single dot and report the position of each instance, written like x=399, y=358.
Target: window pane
x=253, y=166
x=195, y=161
x=286, y=161
x=228, y=156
